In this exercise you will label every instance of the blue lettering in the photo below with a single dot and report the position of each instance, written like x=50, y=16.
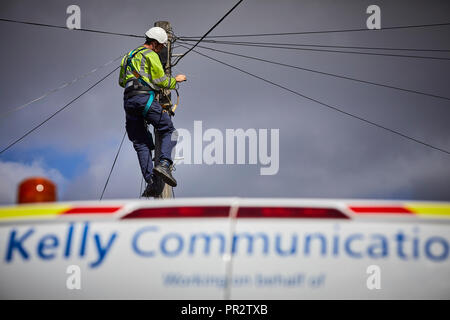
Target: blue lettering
x=68, y=241
x=323, y=242
x=207, y=241
x=348, y=249
x=102, y=251
x=336, y=241
x=290, y=251
x=83, y=239
x=178, y=248
x=250, y=239
x=444, y=244
x=17, y=245
x=47, y=242
x=416, y=244
x=400, y=237
x=378, y=249
x=136, y=238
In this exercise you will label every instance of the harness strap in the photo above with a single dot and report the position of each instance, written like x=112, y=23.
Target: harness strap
x=149, y=103
x=128, y=62
x=136, y=74
x=151, y=93
x=139, y=77
x=144, y=113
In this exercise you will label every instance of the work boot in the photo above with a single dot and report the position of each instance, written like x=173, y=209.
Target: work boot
x=153, y=189
x=163, y=171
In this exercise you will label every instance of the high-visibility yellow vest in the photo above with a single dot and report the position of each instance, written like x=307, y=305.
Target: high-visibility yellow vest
x=146, y=62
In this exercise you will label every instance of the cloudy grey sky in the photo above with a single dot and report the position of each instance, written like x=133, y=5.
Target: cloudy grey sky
x=322, y=153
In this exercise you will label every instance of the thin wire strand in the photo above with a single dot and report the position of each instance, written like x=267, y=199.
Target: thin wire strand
x=327, y=74
x=208, y=32
x=328, y=31
x=65, y=28
x=230, y=36
x=114, y=163
x=328, y=106
x=340, y=51
x=316, y=45
x=58, y=111
x=64, y=85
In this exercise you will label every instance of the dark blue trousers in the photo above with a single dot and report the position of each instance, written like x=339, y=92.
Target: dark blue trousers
x=137, y=131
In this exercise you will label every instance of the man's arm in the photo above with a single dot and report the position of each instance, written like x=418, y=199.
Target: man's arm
x=122, y=73
x=159, y=78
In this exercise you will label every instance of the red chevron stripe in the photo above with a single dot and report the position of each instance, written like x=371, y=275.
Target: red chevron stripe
x=380, y=210
x=92, y=210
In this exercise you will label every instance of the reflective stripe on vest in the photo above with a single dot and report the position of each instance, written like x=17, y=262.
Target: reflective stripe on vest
x=138, y=75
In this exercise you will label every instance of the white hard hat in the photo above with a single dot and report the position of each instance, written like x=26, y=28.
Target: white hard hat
x=157, y=33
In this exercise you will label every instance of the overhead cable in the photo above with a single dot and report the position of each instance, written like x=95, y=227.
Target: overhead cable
x=337, y=51
x=64, y=85
x=328, y=105
x=62, y=27
x=114, y=163
x=211, y=29
x=58, y=111
x=329, y=31
x=326, y=73
x=315, y=45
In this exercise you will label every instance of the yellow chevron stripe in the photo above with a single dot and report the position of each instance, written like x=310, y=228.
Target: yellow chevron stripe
x=430, y=209
x=27, y=211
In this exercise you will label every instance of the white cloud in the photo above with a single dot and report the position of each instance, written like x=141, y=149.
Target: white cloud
x=12, y=173
x=124, y=182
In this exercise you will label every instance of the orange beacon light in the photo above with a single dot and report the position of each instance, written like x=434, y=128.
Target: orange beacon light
x=36, y=189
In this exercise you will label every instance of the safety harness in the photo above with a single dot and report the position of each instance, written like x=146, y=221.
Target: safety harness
x=166, y=108
x=138, y=76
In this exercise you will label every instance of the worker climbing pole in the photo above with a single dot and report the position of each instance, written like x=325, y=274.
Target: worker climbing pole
x=147, y=100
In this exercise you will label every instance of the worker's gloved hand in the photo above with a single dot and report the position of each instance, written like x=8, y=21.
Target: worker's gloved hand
x=180, y=78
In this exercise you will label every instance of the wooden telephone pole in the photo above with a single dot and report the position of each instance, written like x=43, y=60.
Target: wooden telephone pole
x=166, y=57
